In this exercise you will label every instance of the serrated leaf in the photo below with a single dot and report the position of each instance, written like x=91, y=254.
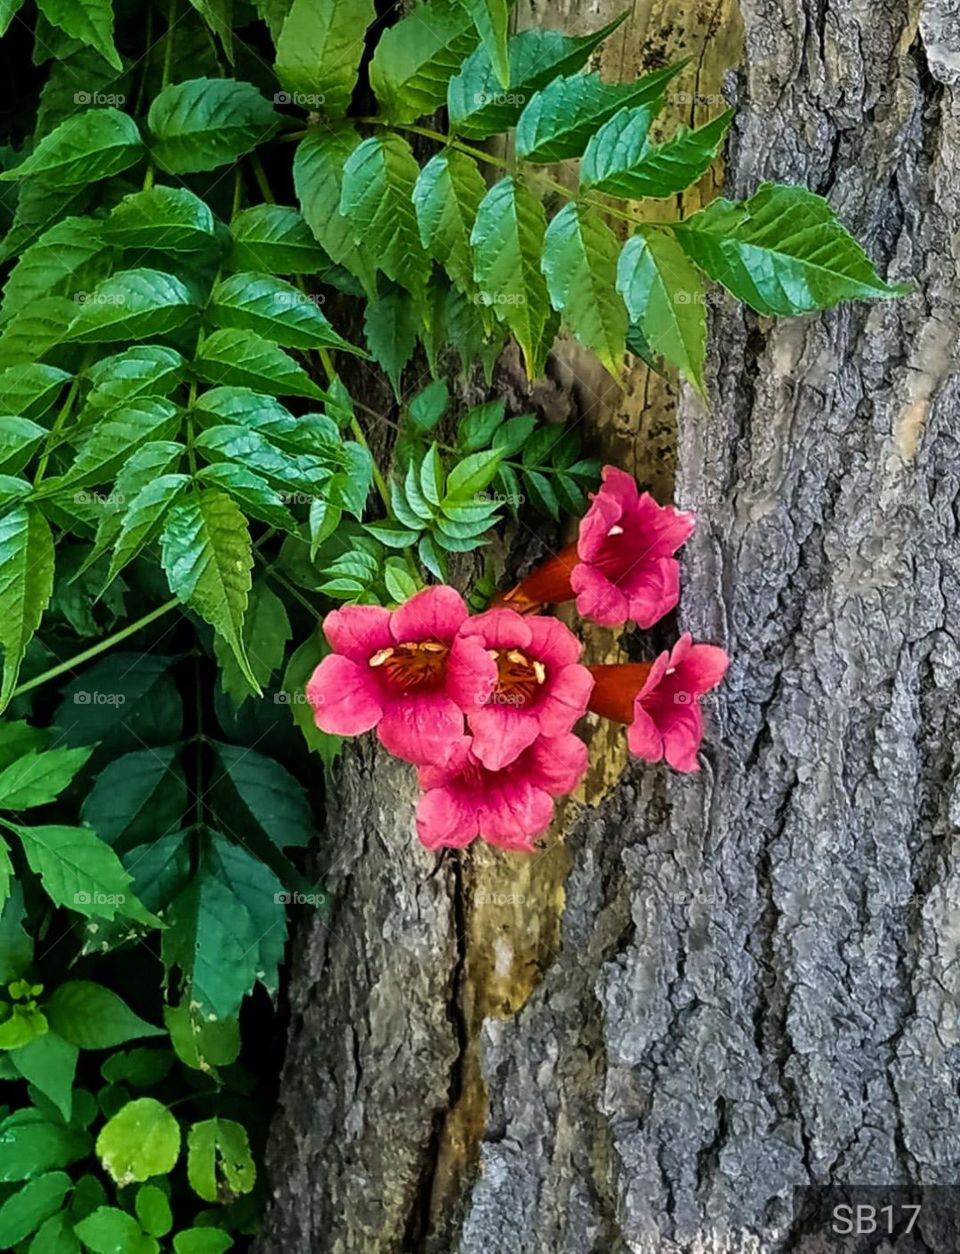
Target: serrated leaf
x=86, y=147
x=281, y=468
x=30, y=389
x=274, y=309
x=219, y=1164
x=274, y=239
x=90, y=21
x=207, y=556
x=144, y=518
x=319, y=51
x=49, y=1063
x=251, y=492
x=141, y=1140
x=392, y=536
x=66, y=259
x=432, y=558
x=783, y=251
x=514, y=433
x=429, y=405
x=560, y=120
x=38, y=778
x=492, y=20
x=431, y=476
x=131, y=305
x=378, y=182
x=8, y=11
x=621, y=161
x=110, y=441
x=415, y=58
x=478, y=104
x=18, y=439
x=143, y=370
x=266, y=630
x=580, y=264
x=400, y=584
x=138, y=796
x=507, y=240
x=36, y=329
x=26, y=583
x=206, y=122
x=541, y=493
x=472, y=475
x=153, y=1210
x=318, y=178
x=390, y=329
x=170, y=219
x=80, y=871
x=478, y=427
x=25, y=1210
x=447, y=195
x=258, y=891
x=665, y=298
x=242, y=359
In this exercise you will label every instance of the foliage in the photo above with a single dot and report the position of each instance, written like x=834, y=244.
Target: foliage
x=187, y=487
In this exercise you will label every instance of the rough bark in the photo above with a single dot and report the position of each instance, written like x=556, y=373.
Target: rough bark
x=753, y=981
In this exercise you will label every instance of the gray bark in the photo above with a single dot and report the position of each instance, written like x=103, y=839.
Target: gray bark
x=755, y=979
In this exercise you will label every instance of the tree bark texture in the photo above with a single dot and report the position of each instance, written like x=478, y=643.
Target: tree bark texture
x=706, y=989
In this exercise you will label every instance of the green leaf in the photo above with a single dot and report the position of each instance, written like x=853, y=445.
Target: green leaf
x=171, y=219
x=141, y=421
x=144, y=518
x=139, y=796
x=153, y=1210
x=18, y=439
x=266, y=630
x=202, y=1241
x=560, y=120
x=49, y=1063
x=318, y=178
x=278, y=466
x=24, y=1211
x=123, y=701
x=67, y=259
x=269, y=797
x=219, y=1164
x=378, y=182
x=257, y=891
x=274, y=239
x=131, y=305
x=783, y=251
x=207, y=556
x=80, y=871
x=38, y=778
x=665, y=298
x=30, y=1147
x=478, y=104
x=251, y=492
x=507, y=240
x=580, y=263
x=8, y=11
x=200, y=1044
x=55, y=1236
x=415, y=58
x=86, y=147
x=472, y=475
x=26, y=583
x=143, y=370
x=479, y=426
x=303, y=662
x=390, y=329
x=90, y=21
x=492, y=20
x=210, y=937
x=429, y=405
x=542, y=495
x=447, y=196
x=93, y=1017
x=30, y=389
x=35, y=330
x=142, y=1067
x=141, y=1140
x=399, y=582
x=206, y=122
x=241, y=359
x=431, y=476
x=319, y=52
x=621, y=161
x=111, y=1231
x=275, y=309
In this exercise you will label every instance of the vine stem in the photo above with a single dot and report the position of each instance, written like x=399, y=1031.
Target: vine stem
x=95, y=650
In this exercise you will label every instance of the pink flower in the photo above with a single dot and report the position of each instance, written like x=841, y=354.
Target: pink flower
x=389, y=670
x=622, y=565
x=539, y=688
x=626, y=546
x=509, y=808
x=660, y=701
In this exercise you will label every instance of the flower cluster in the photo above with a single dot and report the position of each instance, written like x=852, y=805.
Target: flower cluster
x=485, y=705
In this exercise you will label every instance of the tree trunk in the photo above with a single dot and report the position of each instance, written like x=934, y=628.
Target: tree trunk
x=715, y=987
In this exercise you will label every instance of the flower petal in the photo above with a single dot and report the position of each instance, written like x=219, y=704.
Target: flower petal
x=598, y=598
x=445, y=819
x=565, y=699
x=430, y=614
x=422, y=728
x=662, y=529
x=499, y=629
x=514, y=812
x=552, y=642
x=343, y=697
x=682, y=732
x=471, y=673
x=358, y=631
x=643, y=739
x=436, y=775
x=652, y=589
x=595, y=525
x=556, y=763
x=702, y=668
x=501, y=733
